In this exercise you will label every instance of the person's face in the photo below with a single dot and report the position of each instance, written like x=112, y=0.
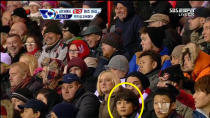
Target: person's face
x=174, y=60
x=188, y=65
x=30, y=44
x=53, y=115
x=68, y=90
x=42, y=98
x=92, y=40
x=121, y=11
x=12, y=5
x=46, y=5
x=106, y=83
x=15, y=76
x=28, y=113
x=34, y=8
x=76, y=70
x=118, y=73
x=73, y=51
x=146, y=42
x=194, y=23
x=124, y=108
x=6, y=18
x=16, y=102
x=67, y=35
x=107, y=50
x=202, y=99
x=164, y=110
x=51, y=38
x=135, y=81
x=146, y=64
x=206, y=31
x=14, y=44
x=16, y=19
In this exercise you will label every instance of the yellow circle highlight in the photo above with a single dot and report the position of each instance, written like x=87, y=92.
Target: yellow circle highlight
x=142, y=100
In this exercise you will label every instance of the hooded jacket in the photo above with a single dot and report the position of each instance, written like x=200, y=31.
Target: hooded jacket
x=129, y=29
x=200, y=60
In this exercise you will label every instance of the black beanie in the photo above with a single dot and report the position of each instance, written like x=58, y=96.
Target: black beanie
x=20, y=12
x=72, y=27
x=156, y=35
x=113, y=39
x=22, y=94
x=53, y=27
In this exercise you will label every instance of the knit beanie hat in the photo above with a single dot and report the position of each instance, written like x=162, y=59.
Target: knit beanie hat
x=37, y=3
x=72, y=27
x=65, y=110
x=177, y=51
x=113, y=39
x=119, y=62
x=22, y=94
x=83, y=48
x=20, y=12
x=77, y=61
x=53, y=27
x=156, y=35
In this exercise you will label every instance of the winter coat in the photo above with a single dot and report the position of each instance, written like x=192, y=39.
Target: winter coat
x=199, y=114
x=57, y=51
x=133, y=63
x=87, y=103
x=153, y=79
x=103, y=111
x=183, y=110
x=17, y=56
x=89, y=82
x=207, y=48
x=174, y=114
x=200, y=62
x=130, y=30
x=197, y=37
x=5, y=84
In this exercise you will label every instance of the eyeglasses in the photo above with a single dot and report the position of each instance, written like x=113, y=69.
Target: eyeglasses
x=30, y=43
x=74, y=51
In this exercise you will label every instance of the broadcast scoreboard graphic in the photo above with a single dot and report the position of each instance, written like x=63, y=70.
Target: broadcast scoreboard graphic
x=70, y=13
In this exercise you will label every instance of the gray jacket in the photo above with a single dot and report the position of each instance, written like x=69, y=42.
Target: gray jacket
x=153, y=79
x=58, y=51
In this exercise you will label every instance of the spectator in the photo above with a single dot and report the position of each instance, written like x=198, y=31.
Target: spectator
x=74, y=93
x=14, y=47
x=142, y=82
x=34, y=9
x=52, y=73
x=164, y=103
x=196, y=25
x=152, y=39
x=174, y=76
x=111, y=46
x=126, y=103
x=93, y=35
x=31, y=61
x=6, y=18
x=202, y=97
x=33, y=45
x=54, y=47
x=20, y=29
x=172, y=38
x=77, y=48
x=12, y=5
x=49, y=4
x=20, y=97
x=206, y=35
x=71, y=31
x=106, y=81
x=49, y=97
x=61, y=110
x=119, y=66
x=175, y=55
x=19, y=15
x=129, y=23
x=20, y=78
x=5, y=84
x=194, y=62
x=150, y=64
x=78, y=66
x=33, y=108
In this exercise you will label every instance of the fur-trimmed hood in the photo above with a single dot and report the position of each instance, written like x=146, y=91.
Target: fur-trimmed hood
x=200, y=60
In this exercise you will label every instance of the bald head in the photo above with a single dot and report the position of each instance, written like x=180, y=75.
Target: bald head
x=19, y=28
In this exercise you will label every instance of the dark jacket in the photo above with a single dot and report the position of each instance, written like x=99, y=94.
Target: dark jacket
x=174, y=114
x=130, y=30
x=207, y=48
x=87, y=103
x=89, y=82
x=96, y=51
x=198, y=114
x=17, y=57
x=5, y=85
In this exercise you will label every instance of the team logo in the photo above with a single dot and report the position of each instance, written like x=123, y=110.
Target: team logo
x=48, y=13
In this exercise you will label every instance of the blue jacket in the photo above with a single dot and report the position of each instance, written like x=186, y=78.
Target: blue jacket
x=198, y=114
x=134, y=67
